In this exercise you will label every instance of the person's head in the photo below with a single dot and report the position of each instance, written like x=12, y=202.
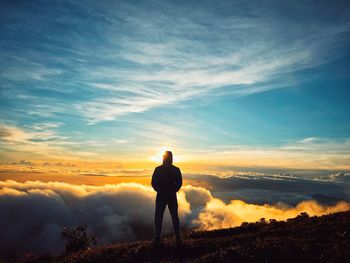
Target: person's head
x=168, y=158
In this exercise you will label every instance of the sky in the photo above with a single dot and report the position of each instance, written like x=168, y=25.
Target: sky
x=252, y=97
x=233, y=83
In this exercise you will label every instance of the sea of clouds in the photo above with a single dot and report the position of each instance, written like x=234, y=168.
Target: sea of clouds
x=34, y=213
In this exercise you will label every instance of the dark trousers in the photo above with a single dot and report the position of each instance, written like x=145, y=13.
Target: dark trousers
x=161, y=203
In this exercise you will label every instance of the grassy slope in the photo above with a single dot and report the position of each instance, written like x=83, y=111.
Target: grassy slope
x=303, y=239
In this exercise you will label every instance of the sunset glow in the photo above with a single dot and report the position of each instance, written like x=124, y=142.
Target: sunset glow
x=251, y=97
x=158, y=157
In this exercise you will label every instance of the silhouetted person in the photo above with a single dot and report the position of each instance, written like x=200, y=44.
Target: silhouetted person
x=166, y=181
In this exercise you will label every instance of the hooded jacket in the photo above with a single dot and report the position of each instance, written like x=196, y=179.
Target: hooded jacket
x=166, y=181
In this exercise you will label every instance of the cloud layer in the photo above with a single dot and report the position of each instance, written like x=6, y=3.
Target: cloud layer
x=36, y=212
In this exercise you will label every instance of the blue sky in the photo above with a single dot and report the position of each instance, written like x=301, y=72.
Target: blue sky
x=235, y=82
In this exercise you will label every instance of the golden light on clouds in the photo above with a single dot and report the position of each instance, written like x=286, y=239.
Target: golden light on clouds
x=218, y=214
x=198, y=208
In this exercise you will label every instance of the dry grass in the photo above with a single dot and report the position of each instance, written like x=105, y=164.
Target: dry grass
x=302, y=239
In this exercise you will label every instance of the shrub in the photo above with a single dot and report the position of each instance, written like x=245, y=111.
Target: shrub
x=262, y=221
x=77, y=238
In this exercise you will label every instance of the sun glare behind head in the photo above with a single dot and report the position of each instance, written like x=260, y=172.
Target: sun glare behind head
x=158, y=157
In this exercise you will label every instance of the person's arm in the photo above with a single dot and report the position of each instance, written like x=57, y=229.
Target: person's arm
x=155, y=180
x=178, y=182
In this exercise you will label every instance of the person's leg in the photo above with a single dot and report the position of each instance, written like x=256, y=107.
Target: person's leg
x=158, y=218
x=173, y=206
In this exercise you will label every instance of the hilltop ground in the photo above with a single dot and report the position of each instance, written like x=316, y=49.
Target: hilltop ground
x=302, y=239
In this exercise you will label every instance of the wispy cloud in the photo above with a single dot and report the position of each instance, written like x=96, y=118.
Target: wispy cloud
x=142, y=61
x=39, y=140
x=237, y=56
x=319, y=153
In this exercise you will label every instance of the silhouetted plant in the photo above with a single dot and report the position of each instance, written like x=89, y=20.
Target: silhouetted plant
x=303, y=215
x=262, y=221
x=244, y=224
x=77, y=238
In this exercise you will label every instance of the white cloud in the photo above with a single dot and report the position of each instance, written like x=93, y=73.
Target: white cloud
x=39, y=140
x=36, y=212
x=217, y=214
x=120, y=141
x=167, y=56
x=173, y=57
x=342, y=177
x=316, y=153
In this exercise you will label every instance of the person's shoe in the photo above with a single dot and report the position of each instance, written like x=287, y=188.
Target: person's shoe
x=156, y=242
x=178, y=242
